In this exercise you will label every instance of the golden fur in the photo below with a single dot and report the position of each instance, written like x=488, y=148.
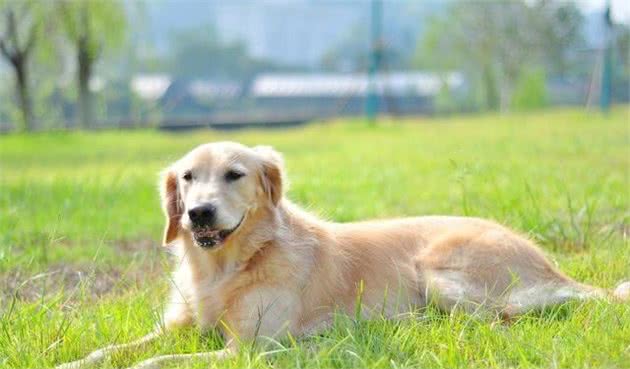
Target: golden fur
x=284, y=270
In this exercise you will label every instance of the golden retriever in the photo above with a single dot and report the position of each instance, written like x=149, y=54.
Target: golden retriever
x=250, y=262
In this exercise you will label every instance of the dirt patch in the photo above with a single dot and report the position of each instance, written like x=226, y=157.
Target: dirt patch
x=135, y=246
x=132, y=246
x=83, y=279
x=621, y=228
x=75, y=281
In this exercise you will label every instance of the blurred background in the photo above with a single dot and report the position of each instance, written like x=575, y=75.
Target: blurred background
x=178, y=64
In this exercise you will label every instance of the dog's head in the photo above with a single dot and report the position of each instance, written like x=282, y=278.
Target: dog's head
x=212, y=191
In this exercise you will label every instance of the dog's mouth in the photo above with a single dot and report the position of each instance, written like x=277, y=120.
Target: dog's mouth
x=208, y=237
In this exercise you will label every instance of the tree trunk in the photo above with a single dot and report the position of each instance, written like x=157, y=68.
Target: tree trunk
x=84, y=71
x=24, y=96
x=18, y=55
x=490, y=88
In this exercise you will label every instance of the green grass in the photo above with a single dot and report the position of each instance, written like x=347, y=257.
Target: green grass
x=80, y=264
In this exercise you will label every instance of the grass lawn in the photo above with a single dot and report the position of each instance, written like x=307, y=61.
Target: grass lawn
x=81, y=267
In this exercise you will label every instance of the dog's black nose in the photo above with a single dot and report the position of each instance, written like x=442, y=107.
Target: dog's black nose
x=203, y=215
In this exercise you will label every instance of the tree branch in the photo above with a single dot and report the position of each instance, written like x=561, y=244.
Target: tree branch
x=5, y=50
x=30, y=41
x=12, y=31
x=99, y=50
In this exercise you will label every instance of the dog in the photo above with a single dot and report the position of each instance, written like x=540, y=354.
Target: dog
x=251, y=263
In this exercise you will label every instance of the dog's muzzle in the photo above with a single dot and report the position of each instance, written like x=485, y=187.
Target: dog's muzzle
x=207, y=236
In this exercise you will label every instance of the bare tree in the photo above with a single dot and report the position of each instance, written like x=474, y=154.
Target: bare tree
x=18, y=37
x=90, y=26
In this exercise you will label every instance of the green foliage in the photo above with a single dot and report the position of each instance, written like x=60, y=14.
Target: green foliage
x=622, y=63
x=530, y=91
x=445, y=101
x=492, y=42
x=198, y=53
x=87, y=202
x=351, y=54
x=100, y=24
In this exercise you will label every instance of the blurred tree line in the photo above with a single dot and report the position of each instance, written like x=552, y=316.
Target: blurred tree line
x=60, y=53
x=53, y=48
x=197, y=53
x=508, y=49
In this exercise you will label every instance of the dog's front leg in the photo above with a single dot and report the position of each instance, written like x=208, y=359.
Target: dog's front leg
x=101, y=354
x=182, y=359
x=177, y=315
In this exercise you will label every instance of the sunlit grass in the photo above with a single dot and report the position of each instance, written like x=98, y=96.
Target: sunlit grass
x=85, y=201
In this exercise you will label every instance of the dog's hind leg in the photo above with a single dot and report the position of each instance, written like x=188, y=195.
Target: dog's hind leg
x=540, y=296
x=100, y=355
x=498, y=272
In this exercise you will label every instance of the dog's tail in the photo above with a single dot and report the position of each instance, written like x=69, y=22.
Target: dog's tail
x=622, y=292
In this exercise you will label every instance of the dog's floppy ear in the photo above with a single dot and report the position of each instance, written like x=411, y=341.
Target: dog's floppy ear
x=172, y=205
x=272, y=172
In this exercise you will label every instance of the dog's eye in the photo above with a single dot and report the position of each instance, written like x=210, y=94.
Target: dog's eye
x=187, y=176
x=233, y=175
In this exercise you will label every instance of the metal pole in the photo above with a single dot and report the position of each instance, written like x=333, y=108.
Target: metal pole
x=376, y=45
x=606, y=92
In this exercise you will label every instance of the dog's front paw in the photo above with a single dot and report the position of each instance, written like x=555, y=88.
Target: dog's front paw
x=622, y=292
x=153, y=363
